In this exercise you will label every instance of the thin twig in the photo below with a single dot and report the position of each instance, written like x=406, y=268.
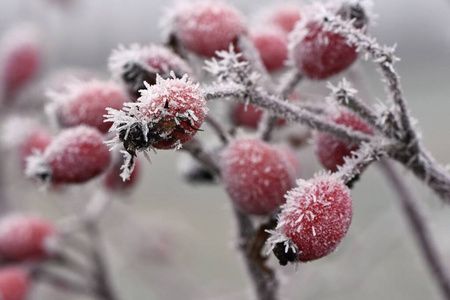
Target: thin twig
x=419, y=229
x=196, y=149
x=264, y=279
x=221, y=132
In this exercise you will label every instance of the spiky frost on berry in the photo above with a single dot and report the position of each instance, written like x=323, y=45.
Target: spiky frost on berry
x=205, y=27
x=256, y=175
x=315, y=217
x=166, y=116
x=85, y=102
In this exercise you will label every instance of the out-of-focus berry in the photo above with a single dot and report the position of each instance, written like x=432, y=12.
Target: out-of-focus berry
x=14, y=283
x=271, y=43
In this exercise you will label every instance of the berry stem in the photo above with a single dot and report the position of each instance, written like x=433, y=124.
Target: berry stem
x=419, y=228
x=287, y=86
x=264, y=279
x=219, y=129
x=196, y=149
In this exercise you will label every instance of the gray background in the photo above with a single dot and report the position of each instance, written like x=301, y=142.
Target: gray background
x=183, y=247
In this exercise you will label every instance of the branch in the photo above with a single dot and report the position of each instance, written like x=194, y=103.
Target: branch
x=195, y=148
x=221, y=132
x=264, y=279
x=419, y=228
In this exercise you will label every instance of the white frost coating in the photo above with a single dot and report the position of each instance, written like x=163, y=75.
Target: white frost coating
x=37, y=164
x=152, y=58
x=15, y=130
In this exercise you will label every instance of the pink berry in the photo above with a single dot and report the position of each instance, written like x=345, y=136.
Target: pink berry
x=316, y=216
x=23, y=237
x=331, y=150
x=113, y=182
x=76, y=155
x=86, y=103
x=167, y=115
x=205, y=27
x=20, y=58
x=136, y=64
x=256, y=176
x=14, y=283
x=284, y=15
x=321, y=54
x=271, y=43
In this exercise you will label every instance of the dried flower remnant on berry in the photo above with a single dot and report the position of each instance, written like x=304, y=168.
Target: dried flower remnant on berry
x=23, y=237
x=315, y=218
x=205, y=27
x=136, y=64
x=85, y=103
x=167, y=115
x=76, y=155
x=256, y=175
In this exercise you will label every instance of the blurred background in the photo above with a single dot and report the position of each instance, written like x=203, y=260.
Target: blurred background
x=172, y=240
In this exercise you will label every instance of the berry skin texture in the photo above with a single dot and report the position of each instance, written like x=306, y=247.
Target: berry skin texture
x=76, y=155
x=256, y=176
x=331, y=150
x=271, y=43
x=136, y=64
x=22, y=237
x=86, y=103
x=14, y=283
x=316, y=216
x=321, y=54
x=205, y=27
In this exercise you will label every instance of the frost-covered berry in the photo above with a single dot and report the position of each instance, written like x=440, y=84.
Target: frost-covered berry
x=315, y=218
x=85, y=103
x=24, y=136
x=20, y=58
x=271, y=43
x=167, y=115
x=136, y=64
x=256, y=175
x=205, y=27
x=113, y=182
x=23, y=237
x=14, y=283
x=331, y=150
x=320, y=54
x=284, y=15
x=76, y=155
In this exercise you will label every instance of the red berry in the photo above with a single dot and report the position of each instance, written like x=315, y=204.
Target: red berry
x=14, y=283
x=320, y=54
x=113, y=182
x=256, y=176
x=316, y=216
x=167, y=115
x=137, y=64
x=331, y=150
x=76, y=155
x=271, y=43
x=86, y=103
x=20, y=59
x=284, y=15
x=205, y=27
x=23, y=237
